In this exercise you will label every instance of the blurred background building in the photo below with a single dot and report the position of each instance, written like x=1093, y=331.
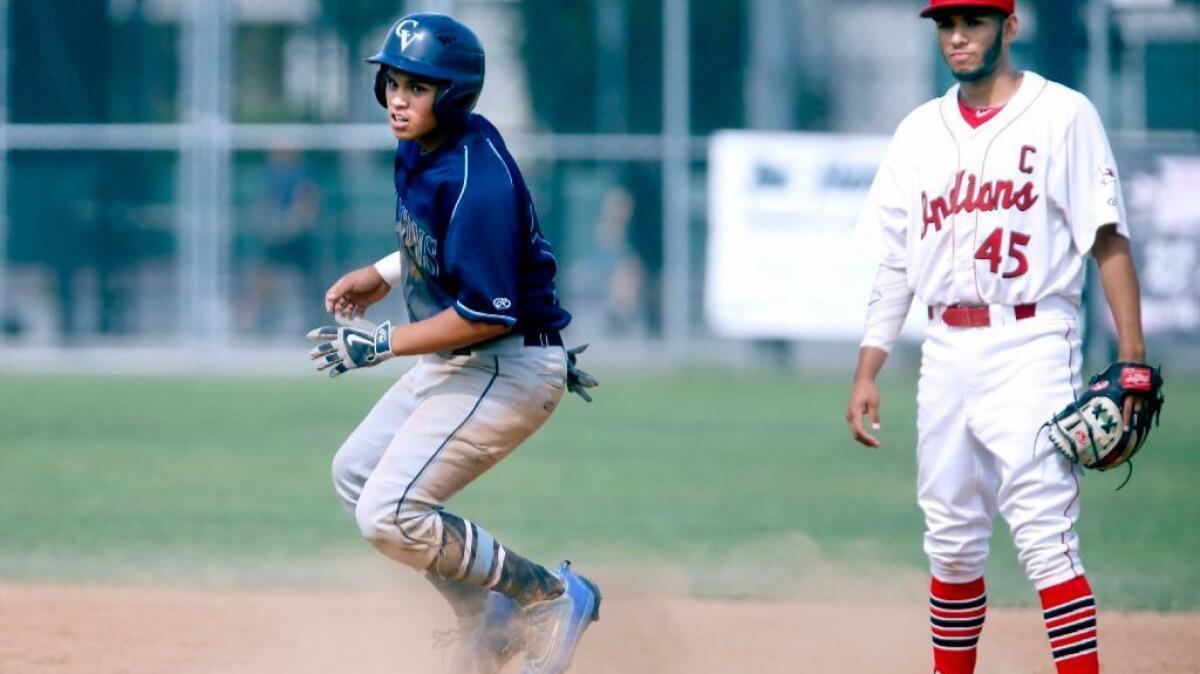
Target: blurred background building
x=189, y=175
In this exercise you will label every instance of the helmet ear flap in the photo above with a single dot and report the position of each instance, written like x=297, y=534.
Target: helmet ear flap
x=381, y=86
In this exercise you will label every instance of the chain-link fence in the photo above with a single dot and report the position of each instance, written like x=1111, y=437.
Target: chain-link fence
x=193, y=174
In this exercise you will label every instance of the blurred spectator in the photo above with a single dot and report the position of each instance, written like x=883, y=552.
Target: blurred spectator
x=614, y=268
x=281, y=251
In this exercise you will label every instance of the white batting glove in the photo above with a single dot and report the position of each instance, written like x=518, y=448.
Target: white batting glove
x=348, y=347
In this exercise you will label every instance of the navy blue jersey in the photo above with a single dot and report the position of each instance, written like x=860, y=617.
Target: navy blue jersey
x=469, y=234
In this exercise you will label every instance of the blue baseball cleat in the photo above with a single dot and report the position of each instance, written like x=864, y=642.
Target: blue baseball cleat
x=492, y=641
x=554, y=627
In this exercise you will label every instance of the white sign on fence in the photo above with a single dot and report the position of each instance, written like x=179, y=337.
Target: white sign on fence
x=781, y=210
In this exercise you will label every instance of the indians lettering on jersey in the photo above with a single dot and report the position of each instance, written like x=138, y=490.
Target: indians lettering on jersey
x=1004, y=213
x=421, y=246
x=979, y=196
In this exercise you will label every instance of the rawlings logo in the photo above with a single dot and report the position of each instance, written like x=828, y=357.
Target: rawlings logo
x=1100, y=385
x=1081, y=438
x=502, y=303
x=1137, y=378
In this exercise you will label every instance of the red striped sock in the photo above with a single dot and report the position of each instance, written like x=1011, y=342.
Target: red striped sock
x=956, y=613
x=1070, y=614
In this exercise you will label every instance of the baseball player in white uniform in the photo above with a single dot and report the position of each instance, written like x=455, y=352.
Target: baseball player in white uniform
x=986, y=206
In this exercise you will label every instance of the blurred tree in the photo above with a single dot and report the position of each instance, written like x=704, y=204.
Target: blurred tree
x=59, y=61
x=560, y=52
x=354, y=20
x=1061, y=41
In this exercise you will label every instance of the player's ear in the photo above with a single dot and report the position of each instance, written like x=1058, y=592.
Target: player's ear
x=1010, y=27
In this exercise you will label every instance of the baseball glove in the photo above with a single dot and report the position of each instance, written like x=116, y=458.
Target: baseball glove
x=578, y=381
x=1090, y=431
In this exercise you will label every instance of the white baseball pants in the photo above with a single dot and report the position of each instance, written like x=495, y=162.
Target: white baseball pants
x=982, y=396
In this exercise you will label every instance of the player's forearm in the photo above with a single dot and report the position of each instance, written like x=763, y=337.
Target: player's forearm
x=870, y=362
x=445, y=331
x=1119, y=277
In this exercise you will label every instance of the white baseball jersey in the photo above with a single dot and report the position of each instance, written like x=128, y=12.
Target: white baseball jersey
x=1001, y=214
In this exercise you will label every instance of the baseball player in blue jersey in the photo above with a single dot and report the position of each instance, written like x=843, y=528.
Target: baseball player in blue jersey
x=478, y=280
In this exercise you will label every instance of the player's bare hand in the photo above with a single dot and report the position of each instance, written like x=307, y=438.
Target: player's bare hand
x=1131, y=405
x=864, y=402
x=355, y=291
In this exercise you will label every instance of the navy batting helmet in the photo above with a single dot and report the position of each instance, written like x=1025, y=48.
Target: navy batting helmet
x=440, y=49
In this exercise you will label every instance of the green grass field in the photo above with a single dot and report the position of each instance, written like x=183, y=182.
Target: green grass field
x=736, y=482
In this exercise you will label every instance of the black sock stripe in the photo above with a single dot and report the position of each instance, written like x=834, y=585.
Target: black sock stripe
x=955, y=643
x=1072, y=628
x=1063, y=652
x=952, y=605
x=1067, y=608
x=950, y=622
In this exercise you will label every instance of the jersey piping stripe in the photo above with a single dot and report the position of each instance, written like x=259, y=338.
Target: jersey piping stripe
x=983, y=169
x=536, y=237
x=466, y=175
x=403, y=496
x=953, y=216
x=497, y=153
x=508, y=320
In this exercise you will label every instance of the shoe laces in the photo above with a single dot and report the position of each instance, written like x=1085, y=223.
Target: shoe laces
x=541, y=618
x=444, y=639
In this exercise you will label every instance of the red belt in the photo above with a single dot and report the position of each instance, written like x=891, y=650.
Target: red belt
x=978, y=316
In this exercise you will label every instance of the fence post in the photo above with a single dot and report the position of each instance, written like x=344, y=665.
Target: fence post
x=204, y=206
x=676, y=295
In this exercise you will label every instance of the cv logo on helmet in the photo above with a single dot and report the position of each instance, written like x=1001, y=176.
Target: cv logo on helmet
x=406, y=31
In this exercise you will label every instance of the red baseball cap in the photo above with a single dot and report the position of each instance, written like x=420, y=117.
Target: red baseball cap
x=939, y=5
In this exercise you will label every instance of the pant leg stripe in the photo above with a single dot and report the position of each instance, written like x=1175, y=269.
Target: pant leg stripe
x=1074, y=475
x=495, y=374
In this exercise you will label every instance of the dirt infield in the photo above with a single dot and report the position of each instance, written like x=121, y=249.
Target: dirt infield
x=72, y=629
